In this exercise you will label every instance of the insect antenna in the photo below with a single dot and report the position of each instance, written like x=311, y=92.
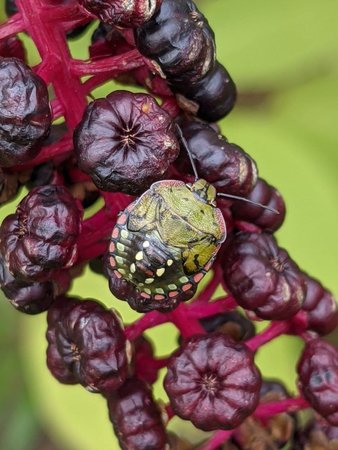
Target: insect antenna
x=186, y=146
x=243, y=199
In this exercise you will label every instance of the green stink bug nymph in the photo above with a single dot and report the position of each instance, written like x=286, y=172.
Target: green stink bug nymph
x=164, y=243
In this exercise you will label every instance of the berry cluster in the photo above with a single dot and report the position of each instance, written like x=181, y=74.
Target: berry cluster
x=159, y=231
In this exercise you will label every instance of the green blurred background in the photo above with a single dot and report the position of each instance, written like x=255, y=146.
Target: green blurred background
x=284, y=58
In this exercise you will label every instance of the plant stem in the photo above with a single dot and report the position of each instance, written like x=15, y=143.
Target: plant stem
x=274, y=330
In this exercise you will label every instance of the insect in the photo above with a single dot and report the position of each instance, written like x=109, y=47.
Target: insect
x=164, y=243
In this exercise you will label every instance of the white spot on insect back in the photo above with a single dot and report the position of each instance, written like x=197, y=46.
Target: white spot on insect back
x=146, y=244
x=139, y=256
x=160, y=272
x=170, y=262
x=124, y=234
x=149, y=280
x=132, y=268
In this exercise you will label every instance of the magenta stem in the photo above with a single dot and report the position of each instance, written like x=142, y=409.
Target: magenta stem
x=113, y=65
x=289, y=405
x=12, y=26
x=187, y=325
x=219, y=438
x=198, y=310
x=274, y=330
x=149, y=320
x=247, y=226
x=52, y=45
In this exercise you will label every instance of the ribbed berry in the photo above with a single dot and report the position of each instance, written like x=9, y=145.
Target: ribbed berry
x=181, y=41
x=225, y=165
x=86, y=345
x=29, y=298
x=136, y=417
x=41, y=237
x=131, y=13
x=213, y=382
x=125, y=142
x=318, y=378
x=25, y=116
x=267, y=195
x=232, y=323
x=262, y=277
x=320, y=307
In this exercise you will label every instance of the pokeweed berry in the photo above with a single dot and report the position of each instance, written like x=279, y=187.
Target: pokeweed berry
x=9, y=184
x=215, y=94
x=29, y=298
x=280, y=427
x=125, y=142
x=180, y=40
x=266, y=195
x=262, y=277
x=131, y=13
x=317, y=435
x=86, y=345
x=40, y=239
x=136, y=418
x=318, y=378
x=143, y=352
x=176, y=443
x=232, y=323
x=12, y=47
x=163, y=244
x=225, y=165
x=25, y=115
x=320, y=307
x=213, y=382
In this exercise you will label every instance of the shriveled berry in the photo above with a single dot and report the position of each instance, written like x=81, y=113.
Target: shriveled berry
x=251, y=435
x=318, y=378
x=215, y=94
x=213, y=381
x=320, y=307
x=180, y=40
x=9, y=185
x=225, y=165
x=125, y=142
x=231, y=323
x=29, y=298
x=86, y=345
x=107, y=41
x=267, y=195
x=143, y=353
x=12, y=47
x=262, y=277
x=136, y=417
x=280, y=427
x=176, y=443
x=41, y=237
x=130, y=14
x=317, y=435
x=25, y=116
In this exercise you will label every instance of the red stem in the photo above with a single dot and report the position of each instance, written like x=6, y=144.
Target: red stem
x=274, y=330
x=219, y=438
x=149, y=320
x=188, y=326
x=265, y=410
x=12, y=26
x=198, y=310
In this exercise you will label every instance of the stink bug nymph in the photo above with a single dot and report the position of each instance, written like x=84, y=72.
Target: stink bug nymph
x=164, y=243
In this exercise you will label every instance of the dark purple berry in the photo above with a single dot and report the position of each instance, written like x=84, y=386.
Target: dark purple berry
x=213, y=381
x=267, y=195
x=86, y=345
x=125, y=142
x=136, y=417
x=128, y=14
x=225, y=165
x=318, y=378
x=41, y=237
x=280, y=427
x=317, y=435
x=25, y=116
x=232, y=323
x=180, y=40
x=320, y=307
x=215, y=94
x=262, y=277
x=143, y=353
x=29, y=298
x=12, y=47
x=9, y=184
